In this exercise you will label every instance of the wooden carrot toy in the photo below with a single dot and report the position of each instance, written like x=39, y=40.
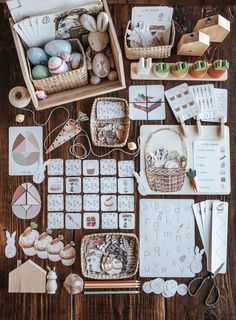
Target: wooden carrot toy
x=193, y=180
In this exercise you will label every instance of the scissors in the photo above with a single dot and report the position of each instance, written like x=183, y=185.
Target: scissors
x=213, y=293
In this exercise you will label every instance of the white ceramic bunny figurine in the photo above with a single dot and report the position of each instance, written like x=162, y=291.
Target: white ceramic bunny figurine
x=10, y=249
x=196, y=265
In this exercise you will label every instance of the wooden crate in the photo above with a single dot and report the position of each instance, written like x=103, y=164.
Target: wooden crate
x=76, y=94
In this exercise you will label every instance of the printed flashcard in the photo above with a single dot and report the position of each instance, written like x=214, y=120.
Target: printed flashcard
x=126, y=168
x=147, y=102
x=167, y=237
x=126, y=185
x=212, y=165
x=109, y=220
x=109, y=185
x=91, y=185
x=206, y=99
x=91, y=220
x=108, y=202
x=91, y=167
x=73, y=221
x=125, y=203
x=182, y=102
x=108, y=110
x=126, y=220
x=108, y=167
x=222, y=104
x=25, y=150
x=55, y=202
x=55, y=167
x=91, y=202
x=73, y=185
x=73, y=168
x=55, y=185
x=55, y=220
x=73, y=203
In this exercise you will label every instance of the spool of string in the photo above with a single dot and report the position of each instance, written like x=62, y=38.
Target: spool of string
x=19, y=97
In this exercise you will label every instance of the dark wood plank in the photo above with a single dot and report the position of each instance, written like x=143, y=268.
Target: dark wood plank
x=150, y=307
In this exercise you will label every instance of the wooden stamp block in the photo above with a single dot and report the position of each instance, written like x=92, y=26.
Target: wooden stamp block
x=193, y=44
x=217, y=27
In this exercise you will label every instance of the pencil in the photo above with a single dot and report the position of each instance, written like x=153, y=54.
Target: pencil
x=110, y=292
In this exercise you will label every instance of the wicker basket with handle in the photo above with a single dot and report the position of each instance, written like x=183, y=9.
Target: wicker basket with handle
x=164, y=179
x=102, y=275
x=69, y=80
x=157, y=52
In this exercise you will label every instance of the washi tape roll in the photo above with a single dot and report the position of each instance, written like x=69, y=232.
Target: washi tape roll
x=19, y=97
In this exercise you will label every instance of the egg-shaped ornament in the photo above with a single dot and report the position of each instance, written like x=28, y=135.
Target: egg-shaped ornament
x=101, y=65
x=37, y=56
x=55, y=47
x=76, y=60
x=57, y=66
x=40, y=72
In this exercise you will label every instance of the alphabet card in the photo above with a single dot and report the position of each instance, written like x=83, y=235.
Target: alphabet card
x=167, y=237
x=147, y=102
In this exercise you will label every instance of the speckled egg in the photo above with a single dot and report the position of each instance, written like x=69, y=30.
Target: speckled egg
x=40, y=72
x=37, y=56
x=76, y=59
x=55, y=47
x=57, y=66
x=101, y=65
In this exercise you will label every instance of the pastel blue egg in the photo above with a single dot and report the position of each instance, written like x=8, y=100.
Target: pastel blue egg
x=40, y=72
x=55, y=47
x=37, y=56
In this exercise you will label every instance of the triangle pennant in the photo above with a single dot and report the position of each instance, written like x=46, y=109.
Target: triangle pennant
x=70, y=130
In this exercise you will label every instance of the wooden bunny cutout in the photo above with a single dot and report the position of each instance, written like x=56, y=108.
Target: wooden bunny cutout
x=10, y=249
x=196, y=265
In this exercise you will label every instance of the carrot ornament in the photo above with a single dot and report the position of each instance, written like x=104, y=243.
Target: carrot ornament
x=193, y=181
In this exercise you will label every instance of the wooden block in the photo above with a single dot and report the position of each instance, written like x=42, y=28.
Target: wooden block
x=27, y=278
x=216, y=27
x=193, y=44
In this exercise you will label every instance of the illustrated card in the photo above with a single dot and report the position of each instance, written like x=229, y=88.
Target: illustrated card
x=55, y=167
x=91, y=220
x=55, y=185
x=126, y=168
x=108, y=167
x=91, y=185
x=108, y=185
x=73, y=221
x=25, y=150
x=125, y=203
x=91, y=202
x=108, y=110
x=109, y=220
x=73, y=185
x=73, y=203
x=91, y=167
x=73, y=167
x=55, y=202
x=167, y=237
x=126, y=220
x=55, y=220
x=126, y=185
x=108, y=202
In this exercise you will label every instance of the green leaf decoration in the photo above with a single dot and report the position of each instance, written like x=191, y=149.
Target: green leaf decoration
x=60, y=237
x=82, y=117
x=49, y=231
x=34, y=225
x=191, y=173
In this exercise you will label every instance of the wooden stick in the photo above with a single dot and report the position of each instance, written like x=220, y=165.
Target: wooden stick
x=110, y=292
x=111, y=281
x=110, y=286
x=183, y=125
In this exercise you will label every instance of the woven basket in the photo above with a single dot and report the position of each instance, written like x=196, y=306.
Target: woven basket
x=152, y=52
x=163, y=179
x=104, y=276
x=69, y=80
x=94, y=123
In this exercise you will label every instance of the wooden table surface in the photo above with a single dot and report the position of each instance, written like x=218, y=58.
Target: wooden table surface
x=144, y=307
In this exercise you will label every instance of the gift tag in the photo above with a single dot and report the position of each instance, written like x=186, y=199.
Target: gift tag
x=73, y=185
x=109, y=220
x=91, y=185
x=125, y=203
x=126, y=185
x=108, y=167
x=73, y=221
x=91, y=167
x=108, y=185
x=108, y=203
x=55, y=167
x=55, y=202
x=91, y=202
x=91, y=220
x=73, y=167
x=126, y=220
x=126, y=168
x=73, y=203
x=55, y=220
x=55, y=185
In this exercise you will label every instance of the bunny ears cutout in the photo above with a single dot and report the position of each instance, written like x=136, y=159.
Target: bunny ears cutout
x=90, y=24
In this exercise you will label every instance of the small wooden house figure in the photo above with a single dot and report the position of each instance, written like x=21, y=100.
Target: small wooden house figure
x=27, y=278
x=193, y=44
x=217, y=27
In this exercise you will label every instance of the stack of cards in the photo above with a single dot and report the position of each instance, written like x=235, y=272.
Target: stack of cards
x=212, y=220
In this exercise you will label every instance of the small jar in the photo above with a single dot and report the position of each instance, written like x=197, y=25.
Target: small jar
x=199, y=69
x=179, y=69
x=161, y=69
x=218, y=68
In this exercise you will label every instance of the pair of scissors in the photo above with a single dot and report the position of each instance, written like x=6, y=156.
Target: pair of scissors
x=213, y=295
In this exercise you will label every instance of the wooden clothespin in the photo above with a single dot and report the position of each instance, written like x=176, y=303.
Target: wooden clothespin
x=144, y=66
x=199, y=127
x=183, y=125
x=222, y=127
